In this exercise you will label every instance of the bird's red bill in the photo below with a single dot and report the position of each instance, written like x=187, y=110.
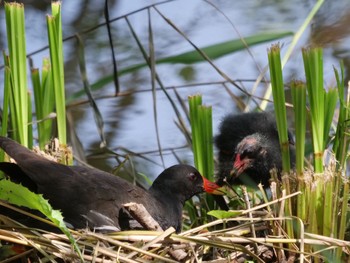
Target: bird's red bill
x=211, y=187
x=239, y=165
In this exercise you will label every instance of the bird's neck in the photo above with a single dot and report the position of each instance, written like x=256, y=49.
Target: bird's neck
x=167, y=199
x=171, y=206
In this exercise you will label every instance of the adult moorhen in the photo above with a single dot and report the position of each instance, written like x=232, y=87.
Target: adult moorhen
x=249, y=148
x=93, y=198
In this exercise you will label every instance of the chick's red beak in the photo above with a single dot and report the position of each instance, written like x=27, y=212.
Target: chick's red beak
x=211, y=187
x=239, y=166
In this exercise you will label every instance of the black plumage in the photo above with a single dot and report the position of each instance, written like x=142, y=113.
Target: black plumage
x=93, y=198
x=249, y=148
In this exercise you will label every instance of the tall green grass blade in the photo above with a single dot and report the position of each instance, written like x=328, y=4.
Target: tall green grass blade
x=6, y=102
x=329, y=204
x=341, y=141
x=37, y=91
x=54, y=27
x=341, y=150
x=194, y=103
x=30, y=121
x=279, y=104
x=202, y=141
x=38, y=102
x=5, y=108
x=322, y=107
x=205, y=113
x=49, y=94
x=308, y=20
x=312, y=218
x=44, y=101
x=17, y=63
x=331, y=99
x=313, y=64
x=343, y=217
x=277, y=84
x=298, y=89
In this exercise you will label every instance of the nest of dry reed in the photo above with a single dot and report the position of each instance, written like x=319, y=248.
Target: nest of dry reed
x=238, y=239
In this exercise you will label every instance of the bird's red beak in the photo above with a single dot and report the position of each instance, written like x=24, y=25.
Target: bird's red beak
x=211, y=187
x=239, y=166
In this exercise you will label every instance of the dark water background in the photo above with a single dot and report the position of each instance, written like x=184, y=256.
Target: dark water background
x=129, y=118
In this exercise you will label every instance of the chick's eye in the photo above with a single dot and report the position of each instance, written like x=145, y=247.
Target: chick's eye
x=250, y=152
x=192, y=176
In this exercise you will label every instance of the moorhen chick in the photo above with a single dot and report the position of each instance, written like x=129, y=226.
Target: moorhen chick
x=92, y=198
x=249, y=148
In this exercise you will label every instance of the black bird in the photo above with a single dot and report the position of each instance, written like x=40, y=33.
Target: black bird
x=92, y=198
x=249, y=148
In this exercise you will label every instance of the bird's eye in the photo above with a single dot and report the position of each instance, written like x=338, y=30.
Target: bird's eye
x=246, y=153
x=251, y=152
x=192, y=176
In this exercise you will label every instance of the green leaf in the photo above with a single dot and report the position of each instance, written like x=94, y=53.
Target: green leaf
x=213, y=52
x=19, y=195
x=221, y=214
x=222, y=49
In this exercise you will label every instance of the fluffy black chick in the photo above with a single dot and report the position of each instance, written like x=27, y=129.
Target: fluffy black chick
x=249, y=148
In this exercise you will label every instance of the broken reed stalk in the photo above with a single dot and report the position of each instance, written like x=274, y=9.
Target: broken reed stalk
x=325, y=189
x=298, y=89
x=340, y=148
x=322, y=106
x=279, y=101
x=341, y=142
x=16, y=63
x=194, y=102
x=16, y=84
x=277, y=84
x=54, y=27
x=202, y=134
x=202, y=142
x=314, y=82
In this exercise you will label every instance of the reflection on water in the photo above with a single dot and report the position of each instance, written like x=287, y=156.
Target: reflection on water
x=129, y=118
